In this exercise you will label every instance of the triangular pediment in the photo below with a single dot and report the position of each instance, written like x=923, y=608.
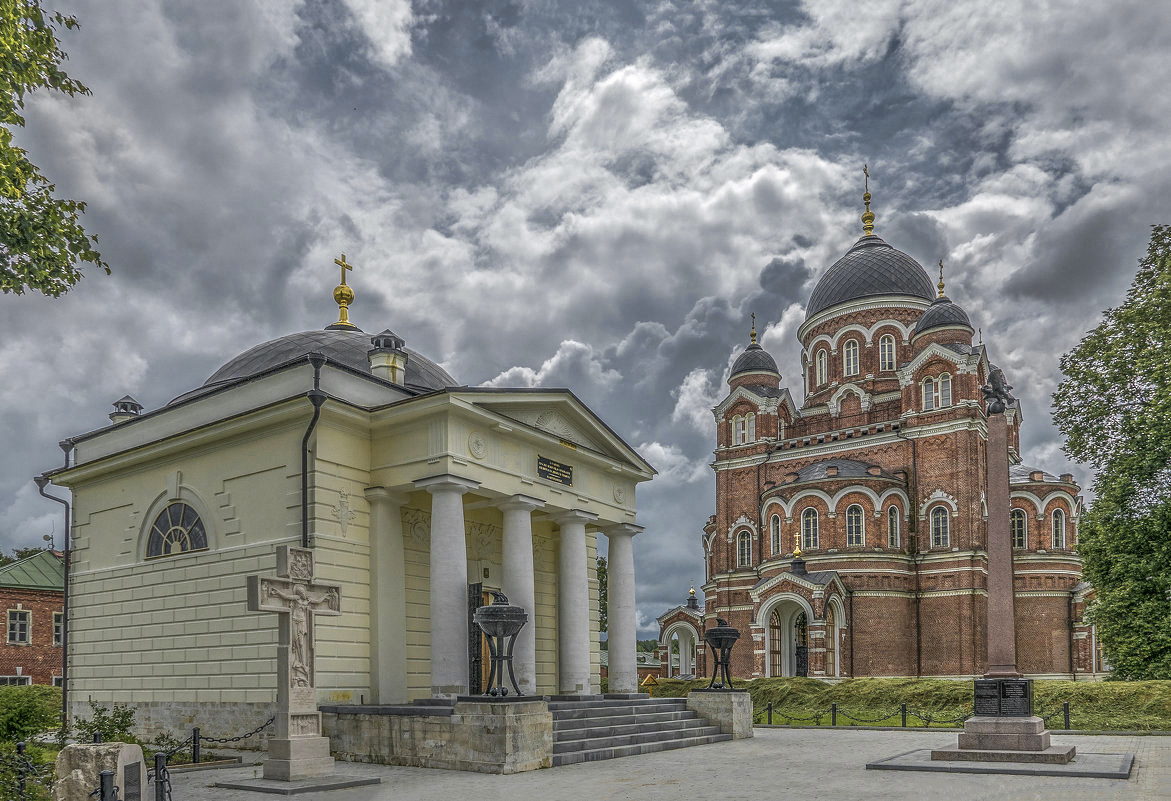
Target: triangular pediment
x=558, y=414
x=761, y=402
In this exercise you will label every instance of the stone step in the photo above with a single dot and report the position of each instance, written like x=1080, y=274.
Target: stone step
x=590, y=709
x=637, y=738
x=595, y=754
x=603, y=703
x=621, y=719
x=586, y=732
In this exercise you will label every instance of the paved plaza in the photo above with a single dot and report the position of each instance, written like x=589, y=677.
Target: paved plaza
x=776, y=763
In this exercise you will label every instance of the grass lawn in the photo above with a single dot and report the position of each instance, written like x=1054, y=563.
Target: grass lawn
x=1094, y=706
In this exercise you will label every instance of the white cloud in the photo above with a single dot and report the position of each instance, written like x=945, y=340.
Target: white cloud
x=387, y=25
x=674, y=466
x=575, y=364
x=694, y=399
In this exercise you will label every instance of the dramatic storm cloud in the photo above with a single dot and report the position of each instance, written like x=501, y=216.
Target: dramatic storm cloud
x=584, y=194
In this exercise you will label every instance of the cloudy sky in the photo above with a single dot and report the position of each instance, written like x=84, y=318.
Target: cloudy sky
x=584, y=194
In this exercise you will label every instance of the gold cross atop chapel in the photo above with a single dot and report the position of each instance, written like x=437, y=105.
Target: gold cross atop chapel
x=343, y=295
x=342, y=263
x=298, y=600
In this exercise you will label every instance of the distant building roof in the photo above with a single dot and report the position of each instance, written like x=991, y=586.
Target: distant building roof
x=41, y=571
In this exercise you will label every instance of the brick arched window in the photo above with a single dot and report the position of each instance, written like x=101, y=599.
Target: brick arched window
x=893, y=535
x=809, y=536
x=850, y=357
x=821, y=367
x=940, y=528
x=886, y=352
x=774, y=526
x=1058, y=529
x=1018, y=527
x=855, y=526
x=744, y=549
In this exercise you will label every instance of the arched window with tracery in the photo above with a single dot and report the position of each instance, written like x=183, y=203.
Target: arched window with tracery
x=774, y=527
x=809, y=535
x=855, y=526
x=850, y=357
x=940, y=528
x=886, y=352
x=893, y=534
x=177, y=529
x=1058, y=529
x=1018, y=527
x=821, y=366
x=744, y=549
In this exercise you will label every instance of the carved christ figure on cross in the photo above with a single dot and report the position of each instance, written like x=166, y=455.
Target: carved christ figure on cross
x=301, y=605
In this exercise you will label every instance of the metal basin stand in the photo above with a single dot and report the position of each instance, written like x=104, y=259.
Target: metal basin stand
x=721, y=638
x=501, y=622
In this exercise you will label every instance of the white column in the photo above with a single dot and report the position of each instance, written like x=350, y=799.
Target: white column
x=620, y=609
x=518, y=582
x=449, y=584
x=388, y=599
x=573, y=605
x=686, y=642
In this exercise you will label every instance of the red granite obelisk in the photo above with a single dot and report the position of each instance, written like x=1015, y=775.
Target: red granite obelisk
x=1001, y=624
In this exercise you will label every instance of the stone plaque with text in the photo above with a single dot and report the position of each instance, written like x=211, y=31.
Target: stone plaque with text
x=987, y=700
x=554, y=471
x=1008, y=698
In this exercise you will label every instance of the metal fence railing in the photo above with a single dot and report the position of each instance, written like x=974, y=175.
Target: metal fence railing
x=903, y=714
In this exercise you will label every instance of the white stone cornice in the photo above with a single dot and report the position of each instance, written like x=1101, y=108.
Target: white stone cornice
x=447, y=483
x=867, y=304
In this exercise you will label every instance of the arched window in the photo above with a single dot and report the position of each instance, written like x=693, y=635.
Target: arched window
x=751, y=428
x=1059, y=529
x=940, y=528
x=928, y=394
x=886, y=352
x=893, y=535
x=774, y=526
x=1018, y=529
x=809, y=530
x=744, y=549
x=739, y=430
x=176, y=530
x=855, y=527
x=850, y=357
x=944, y=390
x=821, y=368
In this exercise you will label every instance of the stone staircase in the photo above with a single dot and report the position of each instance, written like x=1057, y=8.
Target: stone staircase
x=595, y=728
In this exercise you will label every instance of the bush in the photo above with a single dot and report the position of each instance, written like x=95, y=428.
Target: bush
x=112, y=723
x=28, y=710
x=32, y=770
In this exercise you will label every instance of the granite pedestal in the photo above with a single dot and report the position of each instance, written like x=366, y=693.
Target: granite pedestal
x=1008, y=739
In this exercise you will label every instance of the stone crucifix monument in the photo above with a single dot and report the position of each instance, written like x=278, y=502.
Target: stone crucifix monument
x=298, y=751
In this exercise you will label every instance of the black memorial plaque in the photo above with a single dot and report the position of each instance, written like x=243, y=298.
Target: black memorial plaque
x=554, y=471
x=1006, y=698
x=132, y=780
x=1016, y=698
x=987, y=701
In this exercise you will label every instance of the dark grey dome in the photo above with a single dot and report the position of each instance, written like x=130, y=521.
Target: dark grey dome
x=942, y=314
x=870, y=268
x=347, y=347
x=754, y=359
x=847, y=468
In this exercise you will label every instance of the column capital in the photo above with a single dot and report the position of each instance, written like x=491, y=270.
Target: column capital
x=622, y=530
x=520, y=502
x=383, y=494
x=573, y=516
x=446, y=483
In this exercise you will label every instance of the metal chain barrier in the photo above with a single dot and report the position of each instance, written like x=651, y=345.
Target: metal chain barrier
x=868, y=721
x=901, y=713
x=253, y=733
x=19, y=775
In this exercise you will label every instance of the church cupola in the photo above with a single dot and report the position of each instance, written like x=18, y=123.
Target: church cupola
x=946, y=321
x=125, y=408
x=388, y=357
x=754, y=366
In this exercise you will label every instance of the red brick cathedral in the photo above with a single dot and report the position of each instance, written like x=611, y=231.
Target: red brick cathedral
x=849, y=533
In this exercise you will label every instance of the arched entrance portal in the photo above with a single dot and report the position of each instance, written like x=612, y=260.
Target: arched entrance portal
x=788, y=641
x=681, y=641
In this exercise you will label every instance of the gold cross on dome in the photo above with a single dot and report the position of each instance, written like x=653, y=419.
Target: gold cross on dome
x=866, y=172
x=342, y=263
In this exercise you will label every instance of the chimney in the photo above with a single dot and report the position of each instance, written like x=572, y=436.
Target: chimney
x=830, y=472
x=1067, y=478
x=126, y=408
x=1036, y=475
x=388, y=357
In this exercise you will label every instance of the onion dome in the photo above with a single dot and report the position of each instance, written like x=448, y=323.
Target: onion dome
x=942, y=313
x=754, y=359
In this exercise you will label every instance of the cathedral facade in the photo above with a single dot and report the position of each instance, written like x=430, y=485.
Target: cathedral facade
x=851, y=518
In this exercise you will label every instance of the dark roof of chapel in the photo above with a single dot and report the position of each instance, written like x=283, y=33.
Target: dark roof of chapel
x=847, y=468
x=870, y=268
x=347, y=347
x=942, y=313
x=818, y=577
x=754, y=359
x=1019, y=474
x=765, y=392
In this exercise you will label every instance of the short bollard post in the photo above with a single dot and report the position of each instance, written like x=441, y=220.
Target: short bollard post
x=903, y=709
x=106, y=789
x=770, y=713
x=160, y=776
x=1065, y=712
x=833, y=714
x=21, y=769
x=195, y=745
x=97, y=736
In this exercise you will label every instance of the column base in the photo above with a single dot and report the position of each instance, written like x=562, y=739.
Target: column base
x=295, y=758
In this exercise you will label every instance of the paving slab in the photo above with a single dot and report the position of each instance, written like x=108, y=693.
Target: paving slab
x=318, y=784
x=1091, y=766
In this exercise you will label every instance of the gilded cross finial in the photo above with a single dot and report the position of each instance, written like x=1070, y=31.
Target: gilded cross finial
x=940, y=284
x=753, y=334
x=868, y=215
x=343, y=295
x=692, y=592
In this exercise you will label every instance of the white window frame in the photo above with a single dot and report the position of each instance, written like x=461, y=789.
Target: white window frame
x=850, y=357
x=744, y=549
x=821, y=367
x=893, y=533
x=13, y=627
x=886, y=353
x=58, y=628
x=943, y=391
x=774, y=526
x=1017, y=519
x=809, y=530
x=751, y=427
x=855, y=526
x=940, y=527
x=57, y=681
x=16, y=681
x=1059, y=529
x=928, y=394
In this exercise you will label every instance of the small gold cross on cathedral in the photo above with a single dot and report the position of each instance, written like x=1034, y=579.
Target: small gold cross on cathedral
x=342, y=263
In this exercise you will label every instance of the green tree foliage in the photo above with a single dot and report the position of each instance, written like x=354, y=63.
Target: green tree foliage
x=1114, y=408
x=18, y=554
x=25, y=711
x=42, y=242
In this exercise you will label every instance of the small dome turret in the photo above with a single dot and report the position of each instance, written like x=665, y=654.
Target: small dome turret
x=754, y=359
